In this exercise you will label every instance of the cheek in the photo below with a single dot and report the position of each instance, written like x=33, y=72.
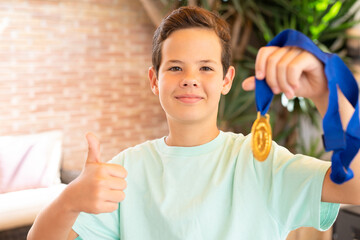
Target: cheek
x=214, y=88
x=165, y=91
x=163, y=87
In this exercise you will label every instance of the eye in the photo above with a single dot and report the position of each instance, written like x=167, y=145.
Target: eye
x=175, y=69
x=206, y=68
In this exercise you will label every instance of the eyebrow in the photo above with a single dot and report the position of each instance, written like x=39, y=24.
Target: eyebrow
x=201, y=61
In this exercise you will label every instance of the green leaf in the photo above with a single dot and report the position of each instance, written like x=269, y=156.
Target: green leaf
x=238, y=7
x=286, y=132
x=204, y=4
x=334, y=10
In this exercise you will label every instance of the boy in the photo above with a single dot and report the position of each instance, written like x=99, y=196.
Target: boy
x=198, y=182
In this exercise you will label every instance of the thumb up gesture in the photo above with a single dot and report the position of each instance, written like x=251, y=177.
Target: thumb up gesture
x=100, y=186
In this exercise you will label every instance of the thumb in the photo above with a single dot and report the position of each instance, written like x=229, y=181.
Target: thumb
x=94, y=148
x=248, y=84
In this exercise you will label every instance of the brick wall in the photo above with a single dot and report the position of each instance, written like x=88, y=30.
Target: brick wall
x=78, y=66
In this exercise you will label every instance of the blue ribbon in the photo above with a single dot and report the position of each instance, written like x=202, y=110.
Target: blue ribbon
x=344, y=145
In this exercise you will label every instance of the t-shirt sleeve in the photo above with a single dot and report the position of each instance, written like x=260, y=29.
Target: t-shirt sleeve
x=99, y=226
x=295, y=188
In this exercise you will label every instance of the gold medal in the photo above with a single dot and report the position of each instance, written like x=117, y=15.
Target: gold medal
x=261, y=137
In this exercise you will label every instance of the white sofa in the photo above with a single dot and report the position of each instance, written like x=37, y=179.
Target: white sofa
x=19, y=208
x=29, y=176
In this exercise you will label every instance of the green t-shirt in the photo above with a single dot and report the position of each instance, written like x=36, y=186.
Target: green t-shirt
x=213, y=191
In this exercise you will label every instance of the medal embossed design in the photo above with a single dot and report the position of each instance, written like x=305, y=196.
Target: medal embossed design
x=261, y=137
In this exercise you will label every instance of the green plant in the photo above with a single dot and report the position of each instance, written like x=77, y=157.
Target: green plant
x=236, y=109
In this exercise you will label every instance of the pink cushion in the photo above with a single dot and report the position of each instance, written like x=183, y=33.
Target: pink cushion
x=30, y=161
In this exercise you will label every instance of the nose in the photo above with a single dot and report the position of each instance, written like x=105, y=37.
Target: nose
x=189, y=81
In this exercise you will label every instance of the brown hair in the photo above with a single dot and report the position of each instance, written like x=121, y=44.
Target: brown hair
x=189, y=17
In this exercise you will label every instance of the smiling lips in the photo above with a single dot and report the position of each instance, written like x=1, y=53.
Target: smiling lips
x=189, y=98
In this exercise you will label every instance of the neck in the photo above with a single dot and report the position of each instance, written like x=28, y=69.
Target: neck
x=189, y=135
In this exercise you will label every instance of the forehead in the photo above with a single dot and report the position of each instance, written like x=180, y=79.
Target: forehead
x=192, y=43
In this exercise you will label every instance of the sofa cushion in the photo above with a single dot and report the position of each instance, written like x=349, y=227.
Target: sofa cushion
x=30, y=161
x=20, y=208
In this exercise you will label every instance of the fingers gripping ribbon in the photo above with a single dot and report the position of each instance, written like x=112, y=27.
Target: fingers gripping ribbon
x=344, y=144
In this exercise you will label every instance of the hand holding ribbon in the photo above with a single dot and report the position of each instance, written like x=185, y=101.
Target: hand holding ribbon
x=344, y=144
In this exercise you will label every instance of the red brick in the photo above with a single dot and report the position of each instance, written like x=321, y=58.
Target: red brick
x=78, y=66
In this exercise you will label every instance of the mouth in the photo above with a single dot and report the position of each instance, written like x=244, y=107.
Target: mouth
x=189, y=98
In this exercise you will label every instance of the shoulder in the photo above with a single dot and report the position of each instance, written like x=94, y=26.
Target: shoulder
x=145, y=148
x=235, y=139
x=282, y=165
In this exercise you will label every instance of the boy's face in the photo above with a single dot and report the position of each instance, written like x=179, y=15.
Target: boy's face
x=190, y=78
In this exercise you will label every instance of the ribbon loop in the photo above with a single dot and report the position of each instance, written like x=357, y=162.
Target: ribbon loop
x=334, y=142
x=263, y=96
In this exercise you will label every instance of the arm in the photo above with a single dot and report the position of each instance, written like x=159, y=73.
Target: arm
x=56, y=220
x=348, y=192
x=298, y=73
x=98, y=189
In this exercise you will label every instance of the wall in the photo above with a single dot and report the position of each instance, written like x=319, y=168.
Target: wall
x=78, y=66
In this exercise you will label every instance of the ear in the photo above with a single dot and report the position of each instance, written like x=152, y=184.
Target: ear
x=153, y=81
x=228, y=80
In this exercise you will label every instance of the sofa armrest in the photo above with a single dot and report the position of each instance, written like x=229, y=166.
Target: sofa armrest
x=21, y=207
